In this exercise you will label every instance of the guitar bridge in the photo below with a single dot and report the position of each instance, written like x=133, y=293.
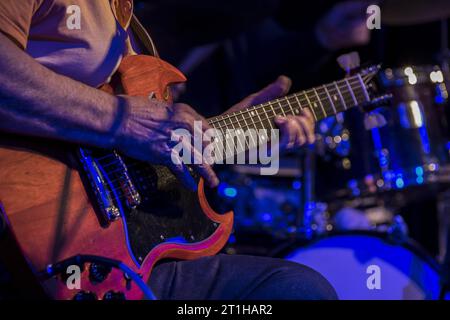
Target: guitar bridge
x=104, y=199
x=110, y=181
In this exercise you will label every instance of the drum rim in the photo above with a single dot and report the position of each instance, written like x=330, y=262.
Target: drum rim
x=409, y=243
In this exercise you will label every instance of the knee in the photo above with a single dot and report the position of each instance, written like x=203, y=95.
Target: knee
x=299, y=282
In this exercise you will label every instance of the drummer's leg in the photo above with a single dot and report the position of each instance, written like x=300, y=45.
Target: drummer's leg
x=238, y=277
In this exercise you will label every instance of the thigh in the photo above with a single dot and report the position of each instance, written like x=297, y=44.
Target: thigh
x=238, y=277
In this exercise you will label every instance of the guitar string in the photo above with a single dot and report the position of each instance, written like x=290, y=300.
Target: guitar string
x=351, y=80
x=118, y=188
x=288, y=99
x=251, y=124
x=283, y=103
x=248, y=126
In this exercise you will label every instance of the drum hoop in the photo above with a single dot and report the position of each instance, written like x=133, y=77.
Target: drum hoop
x=409, y=244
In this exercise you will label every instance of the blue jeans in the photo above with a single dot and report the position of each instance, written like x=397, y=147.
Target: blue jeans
x=230, y=277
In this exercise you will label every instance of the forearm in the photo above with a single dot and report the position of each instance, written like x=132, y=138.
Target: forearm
x=36, y=101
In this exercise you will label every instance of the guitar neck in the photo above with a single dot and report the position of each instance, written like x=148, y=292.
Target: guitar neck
x=322, y=101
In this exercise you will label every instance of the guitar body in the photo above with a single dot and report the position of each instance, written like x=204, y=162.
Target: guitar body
x=49, y=203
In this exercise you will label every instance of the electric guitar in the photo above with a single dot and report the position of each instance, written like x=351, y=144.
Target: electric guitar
x=71, y=210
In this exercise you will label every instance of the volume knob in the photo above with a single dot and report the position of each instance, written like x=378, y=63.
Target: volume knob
x=114, y=295
x=85, y=296
x=98, y=272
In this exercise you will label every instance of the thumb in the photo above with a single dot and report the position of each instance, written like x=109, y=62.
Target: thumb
x=276, y=89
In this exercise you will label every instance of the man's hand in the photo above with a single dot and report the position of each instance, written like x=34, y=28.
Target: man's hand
x=146, y=135
x=295, y=130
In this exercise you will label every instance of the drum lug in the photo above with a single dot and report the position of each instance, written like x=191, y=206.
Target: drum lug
x=398, y=231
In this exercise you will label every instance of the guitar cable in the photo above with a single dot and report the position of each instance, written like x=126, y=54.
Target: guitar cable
x=60, y=267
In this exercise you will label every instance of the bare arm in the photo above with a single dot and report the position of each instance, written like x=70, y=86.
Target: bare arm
x=36, y=101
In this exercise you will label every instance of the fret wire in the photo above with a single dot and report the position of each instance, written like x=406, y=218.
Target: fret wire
x=298, y=101
x=363, y=87
x=241, y=112
x=220, y=137
x=351, y=80
x=344, y=85
x=340, y=95
x=251, y=136
x=351, y=92
x=221, y=129
x=267, y=116
x=310, y=106
x=271, y=118
x=290, y=106
x=335, y=95
x=256, y=129
x=273, y=110
x=255, y=122
x=278, y=101
x=326, y=101
x=320, y=102
x=238, y=136
x=257, y=113
x=290, y=97
x=221, y=118
x=226, y=140
x=329, y=97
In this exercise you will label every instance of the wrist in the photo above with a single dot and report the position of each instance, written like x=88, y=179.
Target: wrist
x=118, y=128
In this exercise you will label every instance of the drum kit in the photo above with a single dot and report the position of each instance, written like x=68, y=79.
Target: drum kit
x=351, y=233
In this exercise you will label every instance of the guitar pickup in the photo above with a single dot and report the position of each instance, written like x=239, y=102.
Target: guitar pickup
x=110, y=178
x=129, y=191
x=96, y=177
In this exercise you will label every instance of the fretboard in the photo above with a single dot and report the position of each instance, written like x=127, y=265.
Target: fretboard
x=323, y=101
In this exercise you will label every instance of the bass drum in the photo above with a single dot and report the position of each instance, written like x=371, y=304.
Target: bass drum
x=368, y=266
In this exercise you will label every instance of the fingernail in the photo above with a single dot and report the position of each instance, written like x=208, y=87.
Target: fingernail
x=214, y=183
x=280, y=120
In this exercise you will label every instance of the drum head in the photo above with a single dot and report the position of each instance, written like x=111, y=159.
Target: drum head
x=367, y=267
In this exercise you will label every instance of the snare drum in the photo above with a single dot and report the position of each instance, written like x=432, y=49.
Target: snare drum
x=411, y=149
x=369, y=266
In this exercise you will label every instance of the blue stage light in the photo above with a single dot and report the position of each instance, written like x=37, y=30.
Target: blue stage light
x=399, y=183
x=230, y=192
x=419, y=171
x=296, y=185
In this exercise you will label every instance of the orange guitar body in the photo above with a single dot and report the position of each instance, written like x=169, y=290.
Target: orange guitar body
x=50, y=215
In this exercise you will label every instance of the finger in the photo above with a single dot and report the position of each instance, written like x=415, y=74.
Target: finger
x=276, y=89
x=311, y=125
x=307, y=129
x=188, y=115
x=200, y=165
x=300, y=137
x=286, y=139
x=308, y=114
x=288, y=127
x=181, y=172
x=191, y=118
